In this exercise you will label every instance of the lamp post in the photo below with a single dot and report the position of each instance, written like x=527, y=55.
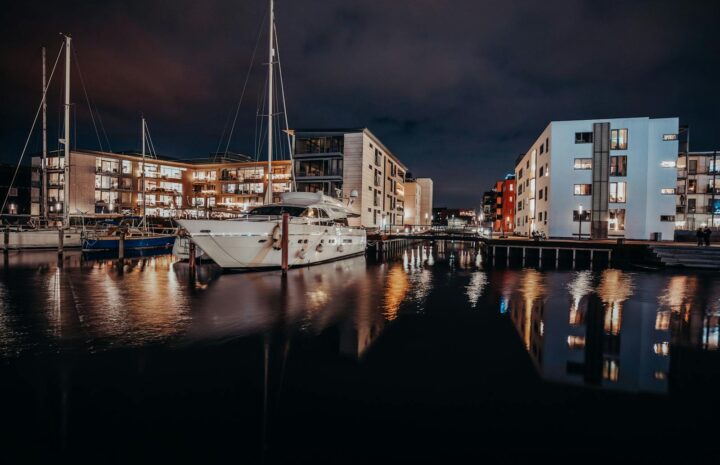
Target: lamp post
x=580, y=218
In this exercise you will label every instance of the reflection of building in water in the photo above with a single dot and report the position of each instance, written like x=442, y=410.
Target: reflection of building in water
x=527, y=312
x=595, y=338
x=691, y=307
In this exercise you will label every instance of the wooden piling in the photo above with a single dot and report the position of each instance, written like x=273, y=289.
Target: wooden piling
x=121, y=245
x=6, y=240
x=61, y=241
x=284, y=241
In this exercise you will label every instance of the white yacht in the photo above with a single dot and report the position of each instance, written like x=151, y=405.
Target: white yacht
x=318, y=232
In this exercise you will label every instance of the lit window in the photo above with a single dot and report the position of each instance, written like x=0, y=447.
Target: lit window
x=618, y=139
x=668, y=191
x=668, y=164
x=662, y=320
x=662, y=348
x=611, y=369
x=670, y=136
x=660, y=375
x=583, y=164
x=582, y=189
x=576, y=342
x=617, y=192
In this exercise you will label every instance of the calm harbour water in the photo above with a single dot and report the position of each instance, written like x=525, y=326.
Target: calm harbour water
x=427, y=357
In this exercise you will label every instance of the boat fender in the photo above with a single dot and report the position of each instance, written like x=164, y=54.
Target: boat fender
x=319, y=248
x=301, y=253
x=340, y=248
x=276, y=237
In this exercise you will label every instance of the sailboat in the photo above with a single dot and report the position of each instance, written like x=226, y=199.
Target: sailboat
x=134, y=237
x=318, y=229
x=41, y=234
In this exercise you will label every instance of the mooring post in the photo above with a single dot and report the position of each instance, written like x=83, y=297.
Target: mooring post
x=6, y=240
x=523, y=264
x=573, y=258
x=609, y=258
x=557, y=258
x=121, y=245
x=591, y=257
x=192, y=260
x=540, y=257
x=508, y=256
x=284, y=241
x=61, y=240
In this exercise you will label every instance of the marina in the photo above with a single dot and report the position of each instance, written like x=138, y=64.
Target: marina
x=432, y=233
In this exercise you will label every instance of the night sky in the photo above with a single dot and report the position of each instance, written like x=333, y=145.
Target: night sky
x=456, y=89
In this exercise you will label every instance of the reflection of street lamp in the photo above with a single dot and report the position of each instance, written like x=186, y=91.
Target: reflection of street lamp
x=580, y=218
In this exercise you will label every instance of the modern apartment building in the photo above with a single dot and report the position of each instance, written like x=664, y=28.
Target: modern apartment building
x=340, y=162
x=603, y=178
x=698, y=190
x=103, y=182
x=413, y=196
x=426, y=200
x=504, y=217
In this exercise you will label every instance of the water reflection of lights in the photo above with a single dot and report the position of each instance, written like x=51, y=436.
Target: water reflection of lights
x=396, y=288
x=615, y=287
x=579, y=287
x=532, y=289
x=474, y=290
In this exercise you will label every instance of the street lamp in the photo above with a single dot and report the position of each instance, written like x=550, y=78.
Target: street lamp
x=580, y=218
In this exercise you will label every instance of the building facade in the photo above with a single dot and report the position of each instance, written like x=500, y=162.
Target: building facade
x=698, y=190
x=413, y=196
x=605, y=178
x=426, y=200
x=504, y=214
x=343, y=162
x=103, y=182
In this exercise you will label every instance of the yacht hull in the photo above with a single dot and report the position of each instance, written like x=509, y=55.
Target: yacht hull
x=41, y=239
x=255, y=245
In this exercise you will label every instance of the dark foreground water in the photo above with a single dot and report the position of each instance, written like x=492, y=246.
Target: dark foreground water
x=427, y=358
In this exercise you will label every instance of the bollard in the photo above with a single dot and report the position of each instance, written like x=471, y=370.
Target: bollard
x=191, y=259
x=6, y=240
x=284, y=241
x=121, y=245
x=61, y=241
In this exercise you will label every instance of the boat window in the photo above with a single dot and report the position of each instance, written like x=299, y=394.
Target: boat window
x=310, y=213
x=341, y=221
x=277, y=210
x=323, y=213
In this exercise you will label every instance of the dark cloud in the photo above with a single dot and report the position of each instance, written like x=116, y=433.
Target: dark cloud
x=456, y=88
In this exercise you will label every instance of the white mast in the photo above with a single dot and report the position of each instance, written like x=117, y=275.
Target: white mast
x=66, y=140
x=144, y=193
x=43, y=190
x=271, y=57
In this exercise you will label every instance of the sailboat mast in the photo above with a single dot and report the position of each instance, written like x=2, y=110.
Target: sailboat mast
x=43, y=190
x=271, y=57
x=66, y=141
x=144, y=193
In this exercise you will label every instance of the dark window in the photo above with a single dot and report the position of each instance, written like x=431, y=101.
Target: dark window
x=585, y=215
x=692, y=168
x=618, y=166
x=547, y=144
x=667, y=217
x=333, y=144
x=546, y=198
x=540, y=194
x=542, y=170
x=277, y=210
x=542, y=149
x=575, y=368
x=583, y=137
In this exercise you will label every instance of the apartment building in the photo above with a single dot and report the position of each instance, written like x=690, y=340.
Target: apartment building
x=698, y=190
x=103, y=182
x=413, y=196
x=504, y=215
x=340, y=162
x=426, y=200
x=604, y=178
